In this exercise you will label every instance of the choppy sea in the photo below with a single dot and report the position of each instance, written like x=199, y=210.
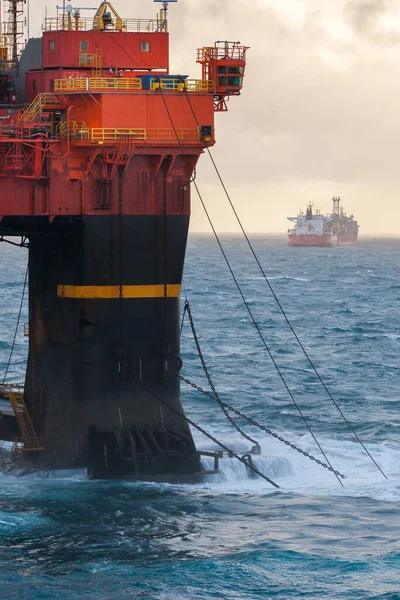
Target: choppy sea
x=236, y=537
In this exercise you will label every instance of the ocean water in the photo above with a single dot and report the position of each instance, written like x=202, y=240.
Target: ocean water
x=234, y=536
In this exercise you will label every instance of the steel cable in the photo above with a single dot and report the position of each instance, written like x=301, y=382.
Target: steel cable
x=18, y=320
x=279, y=303
x=245, y=301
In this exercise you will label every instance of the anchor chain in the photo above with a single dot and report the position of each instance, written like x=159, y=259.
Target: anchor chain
x=210, y=437
x=256, y=424
x=256, y=449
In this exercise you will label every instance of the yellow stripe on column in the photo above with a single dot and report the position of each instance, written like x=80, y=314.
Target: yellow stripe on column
x=112, y=291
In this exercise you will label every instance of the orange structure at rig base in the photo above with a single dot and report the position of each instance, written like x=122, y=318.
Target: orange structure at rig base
x=98, y=144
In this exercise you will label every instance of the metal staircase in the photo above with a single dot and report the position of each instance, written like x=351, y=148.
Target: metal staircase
x=29, y=442
x=38, y=107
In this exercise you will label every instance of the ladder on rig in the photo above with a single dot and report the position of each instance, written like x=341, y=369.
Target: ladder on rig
x=38, y=107
x=29, y=442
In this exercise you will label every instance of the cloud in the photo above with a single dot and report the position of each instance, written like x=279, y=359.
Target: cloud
x=298, y=117
x=318, y=115
x=374, y=20
x=364, y=15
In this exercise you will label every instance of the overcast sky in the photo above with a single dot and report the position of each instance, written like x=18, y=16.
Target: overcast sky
x=319, y=114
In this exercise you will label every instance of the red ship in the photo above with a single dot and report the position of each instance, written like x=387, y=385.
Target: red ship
x=310, y=230
x=99, y=141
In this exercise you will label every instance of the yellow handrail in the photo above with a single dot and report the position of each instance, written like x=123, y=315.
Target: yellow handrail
x=15, y=394
x=165, y=134
x=108, y=134
x=179, y=85
x=86, y=24
x=93, y=84
x=77, y=130
x=80, y=132
x=34, y=110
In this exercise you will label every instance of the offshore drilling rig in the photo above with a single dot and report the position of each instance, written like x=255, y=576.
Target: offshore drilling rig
x=98, y=145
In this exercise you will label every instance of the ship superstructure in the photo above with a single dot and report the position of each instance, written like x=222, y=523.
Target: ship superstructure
x=98, y=144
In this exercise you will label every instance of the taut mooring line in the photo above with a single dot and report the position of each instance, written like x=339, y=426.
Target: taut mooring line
x=279, y=303
x=18, y=320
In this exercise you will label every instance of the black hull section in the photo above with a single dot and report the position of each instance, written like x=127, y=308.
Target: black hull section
x=104, y=347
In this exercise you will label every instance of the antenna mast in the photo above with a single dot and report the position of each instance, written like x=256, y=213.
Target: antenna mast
x=164, y=14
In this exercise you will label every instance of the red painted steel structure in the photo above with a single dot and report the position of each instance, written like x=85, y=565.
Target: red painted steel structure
x=95, y=171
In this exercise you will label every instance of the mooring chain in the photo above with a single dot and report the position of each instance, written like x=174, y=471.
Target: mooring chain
x=256, y=424
x=215, y=394
x=329, y=467
x=210, y=437
x=226, y=407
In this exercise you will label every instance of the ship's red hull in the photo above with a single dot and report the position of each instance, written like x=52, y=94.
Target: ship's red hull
x=324, y=241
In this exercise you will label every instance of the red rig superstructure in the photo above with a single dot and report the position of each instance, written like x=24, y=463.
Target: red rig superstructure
x=98, y=144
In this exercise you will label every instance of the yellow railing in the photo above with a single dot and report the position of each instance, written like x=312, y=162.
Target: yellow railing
x=86, y=24
x=108, y=134
x=97, y=84
x=7, y=388
x=93, y=60
x=35, y=109
x=62, y=130
x=179, y=85
x=30, y=441
x=170, y=135
x=77, y=130
x=224, y=50
x=32, y=111
x=104, y=84
x=80, y=132
x=87, y=59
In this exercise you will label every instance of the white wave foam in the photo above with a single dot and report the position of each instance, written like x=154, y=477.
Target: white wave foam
x=5, y=445
x=234, y=471
x=296, y=473
x=293, y=472
x=287, y=277
x=28, y=473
